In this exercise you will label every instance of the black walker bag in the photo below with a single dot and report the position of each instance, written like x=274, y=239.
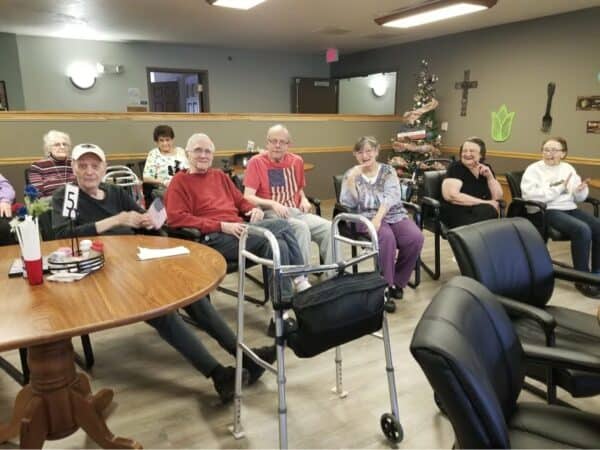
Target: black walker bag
x=336, y=311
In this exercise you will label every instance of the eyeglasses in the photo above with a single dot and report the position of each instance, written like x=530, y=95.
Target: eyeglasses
x=281, y=142
x=61, y=144
x=552, y=150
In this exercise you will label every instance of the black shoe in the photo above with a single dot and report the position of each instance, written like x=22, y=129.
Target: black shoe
x=389, y=305
x=267, y=354
x=224, y=382
x=396, y=292
x=588, y=290
x=289, y=325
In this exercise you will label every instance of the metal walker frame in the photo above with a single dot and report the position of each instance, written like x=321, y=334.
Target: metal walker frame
x=390, y=422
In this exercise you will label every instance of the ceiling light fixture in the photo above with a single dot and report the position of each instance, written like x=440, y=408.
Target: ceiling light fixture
x=237, y=4
x=432, y=12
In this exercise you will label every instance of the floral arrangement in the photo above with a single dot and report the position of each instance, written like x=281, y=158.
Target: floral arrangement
x=34, y=205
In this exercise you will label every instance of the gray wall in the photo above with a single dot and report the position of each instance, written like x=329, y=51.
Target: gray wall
x=10, y=71
x=252, y=81
x=513, y=65
x=356, y=95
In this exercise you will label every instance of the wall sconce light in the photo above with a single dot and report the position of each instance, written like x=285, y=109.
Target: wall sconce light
x=82, y=75
x=237, y=4
x=378, y=85
x=432, y=11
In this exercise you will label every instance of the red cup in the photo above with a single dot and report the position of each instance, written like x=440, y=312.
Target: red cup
x=34, y=271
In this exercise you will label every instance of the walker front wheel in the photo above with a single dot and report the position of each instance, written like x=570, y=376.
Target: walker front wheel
x=391, y=428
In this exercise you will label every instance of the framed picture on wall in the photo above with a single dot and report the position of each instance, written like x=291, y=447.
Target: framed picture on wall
x=3, y=97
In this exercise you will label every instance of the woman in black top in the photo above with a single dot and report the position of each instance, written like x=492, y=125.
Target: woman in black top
x=470, y=191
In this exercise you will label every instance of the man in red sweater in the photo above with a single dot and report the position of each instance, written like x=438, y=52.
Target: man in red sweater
x=206, y=199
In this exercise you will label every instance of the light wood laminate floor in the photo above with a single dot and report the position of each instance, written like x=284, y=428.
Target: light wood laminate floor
x=163, y=402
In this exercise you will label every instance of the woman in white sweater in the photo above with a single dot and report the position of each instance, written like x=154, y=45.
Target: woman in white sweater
x=556, y=183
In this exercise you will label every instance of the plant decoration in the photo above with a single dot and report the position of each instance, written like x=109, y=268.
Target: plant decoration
x=34, y=205
x=502, y=124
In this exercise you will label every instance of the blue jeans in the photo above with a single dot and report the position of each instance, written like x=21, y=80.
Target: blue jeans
x=583, y=229
x=180, y=335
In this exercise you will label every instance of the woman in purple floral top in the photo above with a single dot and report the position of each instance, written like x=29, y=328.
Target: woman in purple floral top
x=372, y=189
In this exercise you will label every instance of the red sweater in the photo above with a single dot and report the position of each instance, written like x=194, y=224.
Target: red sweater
x=204, y=200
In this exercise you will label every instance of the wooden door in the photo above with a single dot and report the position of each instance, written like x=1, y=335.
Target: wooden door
x=315, y=96
x=165, y=96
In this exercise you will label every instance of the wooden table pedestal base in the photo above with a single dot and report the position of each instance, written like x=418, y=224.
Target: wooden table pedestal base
x=58, y=401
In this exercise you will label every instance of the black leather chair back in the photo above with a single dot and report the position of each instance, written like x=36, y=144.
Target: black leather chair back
x=467, y=347
x=514, y=182
x=337, y=186
x=432, y=183
x=508, y=256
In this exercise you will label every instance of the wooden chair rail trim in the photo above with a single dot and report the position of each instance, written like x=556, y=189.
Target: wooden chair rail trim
x=12, y=161
x=528, y=156
x=26, y=116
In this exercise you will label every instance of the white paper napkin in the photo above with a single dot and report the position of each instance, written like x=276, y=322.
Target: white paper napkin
x=152, y=253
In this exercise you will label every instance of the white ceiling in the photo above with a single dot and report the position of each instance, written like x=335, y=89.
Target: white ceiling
x=307, y=26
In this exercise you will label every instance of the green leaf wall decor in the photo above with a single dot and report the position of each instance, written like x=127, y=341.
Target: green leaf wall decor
x=502, y=124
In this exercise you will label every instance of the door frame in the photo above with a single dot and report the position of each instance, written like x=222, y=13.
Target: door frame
x=202, y=77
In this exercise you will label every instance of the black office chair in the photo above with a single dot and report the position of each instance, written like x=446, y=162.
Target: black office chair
x=510, y=258
x=349, y=230
x=430, y=202
x=469, y=351
x=536, y=211
x=430, y=197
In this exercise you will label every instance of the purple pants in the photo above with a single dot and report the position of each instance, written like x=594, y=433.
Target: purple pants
x=404, y=236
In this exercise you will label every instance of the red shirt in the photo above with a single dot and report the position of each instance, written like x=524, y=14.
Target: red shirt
x=204, y=200
x=280, y=181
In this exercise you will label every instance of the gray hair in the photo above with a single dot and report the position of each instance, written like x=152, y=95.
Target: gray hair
x=370, y=140
x=279, y=127
x=53, y=136
x=195, y=138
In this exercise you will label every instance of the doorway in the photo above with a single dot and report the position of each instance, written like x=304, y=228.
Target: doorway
x=177, y=90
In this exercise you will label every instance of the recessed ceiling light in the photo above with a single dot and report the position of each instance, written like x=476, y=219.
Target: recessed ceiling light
x=433, y=12
x=237, y=4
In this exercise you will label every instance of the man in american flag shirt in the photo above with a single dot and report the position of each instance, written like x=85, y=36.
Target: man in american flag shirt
x=275, y=181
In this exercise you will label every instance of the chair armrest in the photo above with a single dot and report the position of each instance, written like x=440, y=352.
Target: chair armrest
x=339, y=208
x=578, y=276
x=561, y=358
x=314, y=200
x=540, y=205
x=191, y=234
x=543, y=318
x=595, y=203
x=412, y=207
x=428, y=201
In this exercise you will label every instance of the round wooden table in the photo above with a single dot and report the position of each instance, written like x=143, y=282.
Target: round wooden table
x=44, y=318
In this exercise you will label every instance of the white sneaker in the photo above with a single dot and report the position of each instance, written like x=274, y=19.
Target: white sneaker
x=302, y=283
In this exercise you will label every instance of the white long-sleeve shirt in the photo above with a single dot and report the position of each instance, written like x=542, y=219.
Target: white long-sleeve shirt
x=544, y=183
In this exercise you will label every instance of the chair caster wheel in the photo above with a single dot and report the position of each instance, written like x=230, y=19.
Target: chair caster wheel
x=391, y=428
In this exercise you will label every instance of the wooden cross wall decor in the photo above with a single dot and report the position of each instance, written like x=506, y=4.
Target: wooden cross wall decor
x=465, y=85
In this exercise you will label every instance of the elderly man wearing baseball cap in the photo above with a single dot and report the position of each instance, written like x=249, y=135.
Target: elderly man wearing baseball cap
x=108, y=209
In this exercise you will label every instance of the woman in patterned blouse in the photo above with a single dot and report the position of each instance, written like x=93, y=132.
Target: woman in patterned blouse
x=163, y=161
x=48, y=174
x=372, y=189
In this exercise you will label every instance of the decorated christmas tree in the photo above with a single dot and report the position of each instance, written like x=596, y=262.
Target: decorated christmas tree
x=424, y=95
x=419, y=138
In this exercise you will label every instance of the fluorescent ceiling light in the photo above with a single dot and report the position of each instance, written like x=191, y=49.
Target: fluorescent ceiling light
x=433, y=12
x=237, y=4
